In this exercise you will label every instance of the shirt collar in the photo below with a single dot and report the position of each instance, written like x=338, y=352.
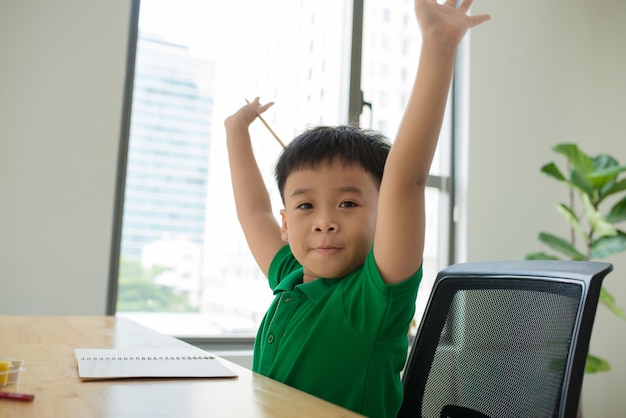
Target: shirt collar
x=290, y=281
x=314, y=290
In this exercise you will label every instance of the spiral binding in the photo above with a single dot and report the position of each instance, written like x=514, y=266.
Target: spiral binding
x=146, y=358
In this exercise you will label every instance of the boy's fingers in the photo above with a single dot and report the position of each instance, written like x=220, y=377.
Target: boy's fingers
x=263, y=108
x=465, y=5
x=477, y=20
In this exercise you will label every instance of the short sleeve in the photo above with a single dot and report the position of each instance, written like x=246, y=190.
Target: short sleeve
x=378, y=310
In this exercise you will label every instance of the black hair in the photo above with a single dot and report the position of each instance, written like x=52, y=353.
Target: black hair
x=349, y=145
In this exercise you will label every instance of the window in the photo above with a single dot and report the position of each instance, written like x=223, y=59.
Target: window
x=184, y=267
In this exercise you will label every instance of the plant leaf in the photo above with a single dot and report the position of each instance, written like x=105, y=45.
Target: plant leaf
x=598, y=223
x=614, y=188
x=607, y=246
x=561, y=245
x=580, y=181
x=618, y=212
x=605, y=170
x=579, y=161
x=603, y=161
x=541, y=256
x=552, y=170
x=608, y=300
x=596, y=364
x=572, y=218
x=576, y=180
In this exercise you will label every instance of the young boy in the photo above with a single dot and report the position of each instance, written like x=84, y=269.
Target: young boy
x=346, y=282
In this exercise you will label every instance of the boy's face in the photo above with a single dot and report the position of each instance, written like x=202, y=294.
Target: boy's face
x=329, y=218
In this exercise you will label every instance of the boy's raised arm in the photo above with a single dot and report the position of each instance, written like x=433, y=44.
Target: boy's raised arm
x=254, y=209
x=400, y=229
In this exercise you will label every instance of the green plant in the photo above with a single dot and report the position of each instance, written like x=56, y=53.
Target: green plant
x=593, y=231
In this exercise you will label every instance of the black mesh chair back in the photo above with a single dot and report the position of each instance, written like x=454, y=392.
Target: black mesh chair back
x=503, y=339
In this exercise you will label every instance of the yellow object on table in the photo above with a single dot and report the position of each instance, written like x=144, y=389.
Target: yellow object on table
x=10, y=369
x=4, y=372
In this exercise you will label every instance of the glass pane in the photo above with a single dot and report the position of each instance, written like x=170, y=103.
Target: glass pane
x=185, y=267
x=391, y=48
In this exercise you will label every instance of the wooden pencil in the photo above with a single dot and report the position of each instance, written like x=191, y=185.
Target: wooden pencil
x=269, y=129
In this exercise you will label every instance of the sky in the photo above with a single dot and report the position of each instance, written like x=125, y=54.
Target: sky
x=204, y=25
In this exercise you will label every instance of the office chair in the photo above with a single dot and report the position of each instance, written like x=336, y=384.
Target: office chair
x=503, y=339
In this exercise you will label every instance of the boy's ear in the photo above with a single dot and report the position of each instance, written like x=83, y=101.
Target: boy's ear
x=283, y=228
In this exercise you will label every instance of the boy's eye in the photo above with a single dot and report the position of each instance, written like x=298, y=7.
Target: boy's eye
x=347, y=204
x=304, y=206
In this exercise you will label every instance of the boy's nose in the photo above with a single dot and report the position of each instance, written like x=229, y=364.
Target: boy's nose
x=325, y=225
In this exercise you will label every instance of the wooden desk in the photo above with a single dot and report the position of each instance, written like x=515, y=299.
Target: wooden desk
x=46, y=344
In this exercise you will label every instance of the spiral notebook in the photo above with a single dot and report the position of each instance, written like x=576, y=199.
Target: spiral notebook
x=101, y=364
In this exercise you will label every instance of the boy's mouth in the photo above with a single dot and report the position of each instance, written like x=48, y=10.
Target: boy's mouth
x=327, y=250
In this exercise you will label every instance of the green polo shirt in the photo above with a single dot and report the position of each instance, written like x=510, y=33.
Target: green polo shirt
x=343, y=340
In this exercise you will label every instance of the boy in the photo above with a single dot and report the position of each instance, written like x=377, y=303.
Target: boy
x=346, y=282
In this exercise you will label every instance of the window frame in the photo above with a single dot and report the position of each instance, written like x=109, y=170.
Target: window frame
x=122, y=158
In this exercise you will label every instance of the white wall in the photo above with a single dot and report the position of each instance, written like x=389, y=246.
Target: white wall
x=62, y=74
x=542, y=73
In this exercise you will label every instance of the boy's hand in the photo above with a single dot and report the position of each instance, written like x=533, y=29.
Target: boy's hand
x=252, y=200
x=445, y=22
x=246, y=115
